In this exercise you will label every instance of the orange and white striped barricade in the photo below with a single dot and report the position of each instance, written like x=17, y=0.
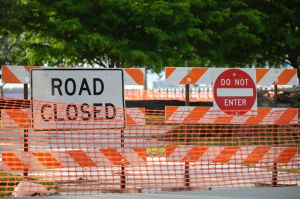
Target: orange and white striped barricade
x=135, y=116
x=276, y=76
x=264, y=76
x=20, y=118
x=232, y=154
x=188, y=75
x=134, y=76
x=17, y=74
x=38, y=159
x=21, y=75
x=207, y=115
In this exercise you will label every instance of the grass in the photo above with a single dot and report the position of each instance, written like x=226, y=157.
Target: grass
x=9, y=180
x=293, y=171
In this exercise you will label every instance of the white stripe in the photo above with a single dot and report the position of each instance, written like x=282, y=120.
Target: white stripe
x=270, y=77
x=232, y=92
x=21, y=73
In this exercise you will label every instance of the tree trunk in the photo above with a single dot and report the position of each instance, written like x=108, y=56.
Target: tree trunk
x=295, y=64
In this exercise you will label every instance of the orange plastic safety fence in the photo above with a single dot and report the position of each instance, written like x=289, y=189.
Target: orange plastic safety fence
x=50, y=148
x=168, y=94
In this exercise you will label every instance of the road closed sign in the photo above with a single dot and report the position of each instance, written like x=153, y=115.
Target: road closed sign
x=235, y=90
x=77, y=98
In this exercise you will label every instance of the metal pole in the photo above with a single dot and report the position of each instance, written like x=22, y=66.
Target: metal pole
x=187, y=164
x=25, y=174
x=275, y=171
x=123, y=174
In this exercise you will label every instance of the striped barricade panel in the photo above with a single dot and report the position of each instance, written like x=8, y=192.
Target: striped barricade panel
x=134, y=76
x=17, y=74
x=207, y=115
x=21, y=75
x=135, y=116
x=13, y=118
x=188, y=75
x=232, y=154
x=276, y=76
x=264, y=76
x=22, y=118
x=41, y=160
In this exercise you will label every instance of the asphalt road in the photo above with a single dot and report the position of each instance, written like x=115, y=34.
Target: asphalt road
x=238, y=193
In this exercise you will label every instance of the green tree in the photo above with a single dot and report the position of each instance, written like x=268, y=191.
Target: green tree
x=11, y=28
x=281, y=38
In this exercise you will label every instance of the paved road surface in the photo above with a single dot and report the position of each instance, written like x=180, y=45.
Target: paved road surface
x=243, y=193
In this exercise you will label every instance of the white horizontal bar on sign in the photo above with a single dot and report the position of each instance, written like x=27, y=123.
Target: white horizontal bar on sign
x=234, y=92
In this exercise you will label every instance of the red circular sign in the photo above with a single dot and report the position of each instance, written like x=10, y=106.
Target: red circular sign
x=234, y=91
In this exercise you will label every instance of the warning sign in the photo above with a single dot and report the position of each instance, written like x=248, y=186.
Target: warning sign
x=235, y=91
x=81, y=96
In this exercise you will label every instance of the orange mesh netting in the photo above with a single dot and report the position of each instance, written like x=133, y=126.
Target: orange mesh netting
x=168, y=94
x=83, y=149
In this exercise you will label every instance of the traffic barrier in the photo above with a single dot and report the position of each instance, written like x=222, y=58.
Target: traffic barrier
x=134, y=76
x=17, y=74
x=81, y=158
x=151, y=157
x=208, y=115
x=21, y=75
x=231, y=154
x=264, y=76
x=23, y=118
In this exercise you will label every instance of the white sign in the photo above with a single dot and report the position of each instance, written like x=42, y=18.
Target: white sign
x=235, y=90
x=84, y=98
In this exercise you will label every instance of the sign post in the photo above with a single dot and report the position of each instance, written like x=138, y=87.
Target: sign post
x=235, y=91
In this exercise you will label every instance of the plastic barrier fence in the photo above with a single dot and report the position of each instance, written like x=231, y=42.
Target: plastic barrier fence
x=196, y=95
x=54, y=148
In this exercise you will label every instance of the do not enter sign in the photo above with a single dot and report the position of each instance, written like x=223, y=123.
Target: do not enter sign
x=235, y=91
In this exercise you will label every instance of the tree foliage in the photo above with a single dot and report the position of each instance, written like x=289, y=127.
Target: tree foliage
x=156, y=33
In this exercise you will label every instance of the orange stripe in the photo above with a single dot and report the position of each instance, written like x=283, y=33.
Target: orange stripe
x=28, y=68
x=18, y=116
x=129, y=120
x=142, y=153
x=114, y=156
x=260, y=73
x=169, y=71
x=286, y=155
x=286, y=76
x=194, y=154
x=13, y=161
x=256, y=155
x=226, y=154
x=47, y=160
x=223, y=119
x=169, y=150
x=196, y=114
x=136, y=74
x=288, y=116
x=81, y=158
x=170, y=110
x=261, y=114
x=194, y=75
x=8, y=76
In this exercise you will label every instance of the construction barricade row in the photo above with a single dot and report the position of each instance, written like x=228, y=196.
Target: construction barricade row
x=161, y=151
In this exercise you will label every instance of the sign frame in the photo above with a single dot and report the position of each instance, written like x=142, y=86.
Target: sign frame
x=123, y=104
